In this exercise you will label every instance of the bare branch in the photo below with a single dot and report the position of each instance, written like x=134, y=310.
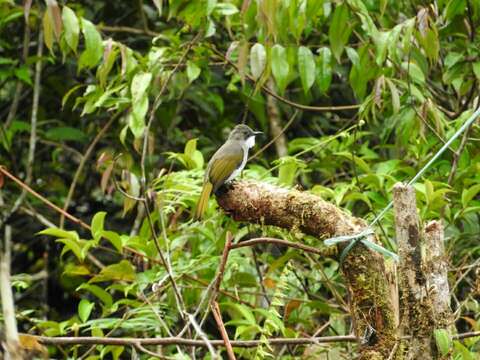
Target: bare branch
x=221, y=327
x=266, y=240
x=92, y=340
x=80, y=167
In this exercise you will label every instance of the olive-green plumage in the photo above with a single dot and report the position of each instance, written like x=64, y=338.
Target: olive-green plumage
x=227, y=162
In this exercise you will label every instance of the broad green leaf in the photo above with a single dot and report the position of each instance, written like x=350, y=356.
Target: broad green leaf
x=443, y=341
x=60, y=233
x=93, y=46
x=476, y=69
x=258, y=59
x=100, y=293
x=114, y=238
x=193, y=71
x=85, y=308
x=225, y=9
x=394, y=95
x=75, y=246
x=381, y=42
x=65, y=133
x=122, y=271
x=324, y=69
x=97, y=225
x=454, y=8
x=23, y=74
x=465, y=353
x=414, y=72
x=339, y=30
x=469, y=194
x=306, y=67
x=190, y=147
x=72, y=28
x=138, y=88
x=280, y=67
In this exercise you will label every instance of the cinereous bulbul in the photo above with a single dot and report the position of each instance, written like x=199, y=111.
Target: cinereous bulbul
x=227, y=162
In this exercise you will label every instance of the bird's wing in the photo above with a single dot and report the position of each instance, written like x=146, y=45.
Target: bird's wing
x=221, y=167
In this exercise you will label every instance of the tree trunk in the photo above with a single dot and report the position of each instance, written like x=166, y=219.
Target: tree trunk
x=424, y=292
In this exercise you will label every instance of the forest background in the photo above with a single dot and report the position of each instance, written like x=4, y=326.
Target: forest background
x=108, y=106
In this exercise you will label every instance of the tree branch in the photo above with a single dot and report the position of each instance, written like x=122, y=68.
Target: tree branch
x=364, y=269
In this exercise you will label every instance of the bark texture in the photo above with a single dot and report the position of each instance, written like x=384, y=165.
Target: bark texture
x=275, y=123
x=424, y=292
x=364, y=270
x=436, y=269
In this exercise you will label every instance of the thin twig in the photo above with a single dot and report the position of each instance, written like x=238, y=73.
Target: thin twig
x=127, y=29
x=27, y=188
x=221, y=327
x=221, y=267
x=457, y=154
x=268, y=240
x=93, y=340
x=80, y=167
x=203, y=336
x=281, y=98
x=287, y=125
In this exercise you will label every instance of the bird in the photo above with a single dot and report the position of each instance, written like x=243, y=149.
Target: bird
x=227, y=162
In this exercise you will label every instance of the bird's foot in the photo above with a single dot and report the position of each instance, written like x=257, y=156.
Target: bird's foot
x=226, y=187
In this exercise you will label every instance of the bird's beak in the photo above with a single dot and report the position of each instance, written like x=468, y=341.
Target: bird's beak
x=257, y=133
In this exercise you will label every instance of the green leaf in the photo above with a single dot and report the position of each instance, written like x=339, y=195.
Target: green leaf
x=122, y=271
x=476, y=69
x=469, y=194
x=139, y=86
x=465, y=353
x=60, y=233
x=114, y=239
x=93, y=46
x=306, y=67
x=443, y=341
x=395, y=96
x=339, y=30
x=280, y=67
x=23, y=74
x=72, y=28
x=97, y=225
x=225, y=9
x=324, y=69
x=414, y=72
x=454, y=8
x=190, y=147
x=193, y=71
x=258, y=59
x=100, y=293
x=65, y=133
x=75, y=246
x=85, y=308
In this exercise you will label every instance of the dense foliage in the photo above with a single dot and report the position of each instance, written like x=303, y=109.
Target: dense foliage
x=82, y=82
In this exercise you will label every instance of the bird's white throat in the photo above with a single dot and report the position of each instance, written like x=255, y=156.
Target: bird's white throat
x=250, y=142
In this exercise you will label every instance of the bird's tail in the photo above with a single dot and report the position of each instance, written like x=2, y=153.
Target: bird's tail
x=203, y=200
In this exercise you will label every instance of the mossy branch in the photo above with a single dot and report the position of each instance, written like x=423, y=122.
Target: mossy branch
x=371, y=306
